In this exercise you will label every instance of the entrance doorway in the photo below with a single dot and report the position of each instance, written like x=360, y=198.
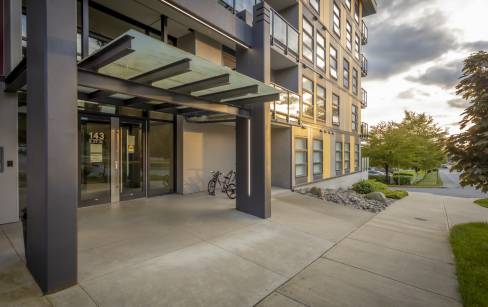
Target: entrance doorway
x=123, y=158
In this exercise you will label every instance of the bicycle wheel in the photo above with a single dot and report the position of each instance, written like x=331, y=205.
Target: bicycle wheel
x=211, y=187
x=231, y=191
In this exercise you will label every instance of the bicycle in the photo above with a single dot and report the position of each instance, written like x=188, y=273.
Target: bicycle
x=226, y=183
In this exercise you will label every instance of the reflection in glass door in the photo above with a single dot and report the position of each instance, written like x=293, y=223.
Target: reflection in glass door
x=94, y=161
x=132, y=159
x=160, y=155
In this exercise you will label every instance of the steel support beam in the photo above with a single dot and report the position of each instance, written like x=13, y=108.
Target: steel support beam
x=201, y=85
x=85, y=29
x=52, y=139
x=237, y=92
x=115, y=50
x=17, y=78
x=127, y=87
x=257, y=99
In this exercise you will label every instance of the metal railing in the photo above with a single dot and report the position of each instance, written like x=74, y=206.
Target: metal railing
x=364, y=98
x=364, y=66
x=284, y=35
x=364, y=33
x=236, y=6
x=287, y=108
x=364, y=134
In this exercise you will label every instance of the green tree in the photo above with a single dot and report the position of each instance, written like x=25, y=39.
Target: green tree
x=388, y=146
x=427, y=140
x=468, y=150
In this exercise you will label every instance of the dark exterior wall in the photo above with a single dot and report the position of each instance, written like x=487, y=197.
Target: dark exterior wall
x=281, y=157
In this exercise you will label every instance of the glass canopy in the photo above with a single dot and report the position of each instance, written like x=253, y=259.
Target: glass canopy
x=201, y=78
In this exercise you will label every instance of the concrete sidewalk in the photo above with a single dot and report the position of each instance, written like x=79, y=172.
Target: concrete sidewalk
x=401, y=257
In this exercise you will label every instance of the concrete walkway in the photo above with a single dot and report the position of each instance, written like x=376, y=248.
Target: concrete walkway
x=401, y=257
x=199, y=251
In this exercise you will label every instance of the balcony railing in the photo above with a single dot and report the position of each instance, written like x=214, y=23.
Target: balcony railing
x=287, y=109
x=364, y=66
x=364, y=34
x=364, y=98
x=236, y=6
x=284, y=35
x=364, y=131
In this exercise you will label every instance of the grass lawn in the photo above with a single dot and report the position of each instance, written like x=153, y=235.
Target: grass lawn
x=482, y=202
x=470, y=246
x=431, y=179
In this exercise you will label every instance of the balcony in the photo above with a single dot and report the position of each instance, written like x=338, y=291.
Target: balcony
x=364, y=134
x=364, y=33
x=283, y=35
x=364, y=66
x=287, y=109
x=236, y=6
x=364, y=98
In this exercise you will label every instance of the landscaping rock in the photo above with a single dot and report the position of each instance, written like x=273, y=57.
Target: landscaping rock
x=378, y=196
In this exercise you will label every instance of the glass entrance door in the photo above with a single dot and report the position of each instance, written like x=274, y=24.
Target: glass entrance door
x=95, y=160
x=132, y=168
x=160, y=158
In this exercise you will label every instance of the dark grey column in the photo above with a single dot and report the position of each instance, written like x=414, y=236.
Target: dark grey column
x=85, y=29
x=253, y=137
x=52, y=141
x=164, y=28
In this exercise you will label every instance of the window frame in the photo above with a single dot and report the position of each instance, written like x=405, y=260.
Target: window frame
x=316, y=9
x=355, y=81
x=336, y=108
x=303, y=151
x=348, y=4
x=356, y=11
x=346, y=73
x=324, y=99
x=321, y=155
x=357, y=157
x=348, y=35
x=336, y=19
x=339, y=162
x=347, y=158
x=355, y=117
x=305, y=34
x=317, y=47
x=357, y=47
x=312, y=93
x=333, y=63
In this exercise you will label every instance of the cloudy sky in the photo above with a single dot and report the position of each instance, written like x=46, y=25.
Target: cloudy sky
x=415, y=52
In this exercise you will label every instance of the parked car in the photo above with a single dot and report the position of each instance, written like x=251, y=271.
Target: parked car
x=376, y=173
x=444, y=166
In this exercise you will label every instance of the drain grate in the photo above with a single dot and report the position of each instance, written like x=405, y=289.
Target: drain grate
x=421, y=219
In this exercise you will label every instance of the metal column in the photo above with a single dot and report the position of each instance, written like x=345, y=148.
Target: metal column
x=52, y=139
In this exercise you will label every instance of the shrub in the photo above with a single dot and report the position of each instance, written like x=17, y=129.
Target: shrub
x=368, y=186
x=378, y=178
x=403, y=180
x=395, y=194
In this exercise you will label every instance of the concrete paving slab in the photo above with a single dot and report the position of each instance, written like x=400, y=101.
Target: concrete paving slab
x=13, y=232
x=133, y=251
x=279, y=300
x=200, y=275
x=280, y=249
x=74, y=296
x=436, y=249
x=328, y=283
x=431, y=275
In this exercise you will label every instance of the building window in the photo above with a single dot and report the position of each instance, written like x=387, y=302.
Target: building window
x=355, y=118
x=320, y=51
x=335, y=110
x=356, y=10
x=321, y=106
x=307, y=97
x=307, y=40
x=348, y=4
x=349, y=36
x=318, y=157
x=357, y=157
x=336, y=19
x=346, y=74
x=301, y=159
x=347, y=158
x=356, y=47
x=338, y=158
x=315, y=4
x=354, y=81
x=333, y=62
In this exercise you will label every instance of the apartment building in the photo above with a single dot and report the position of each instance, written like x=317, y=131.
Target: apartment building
x=104, y=101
